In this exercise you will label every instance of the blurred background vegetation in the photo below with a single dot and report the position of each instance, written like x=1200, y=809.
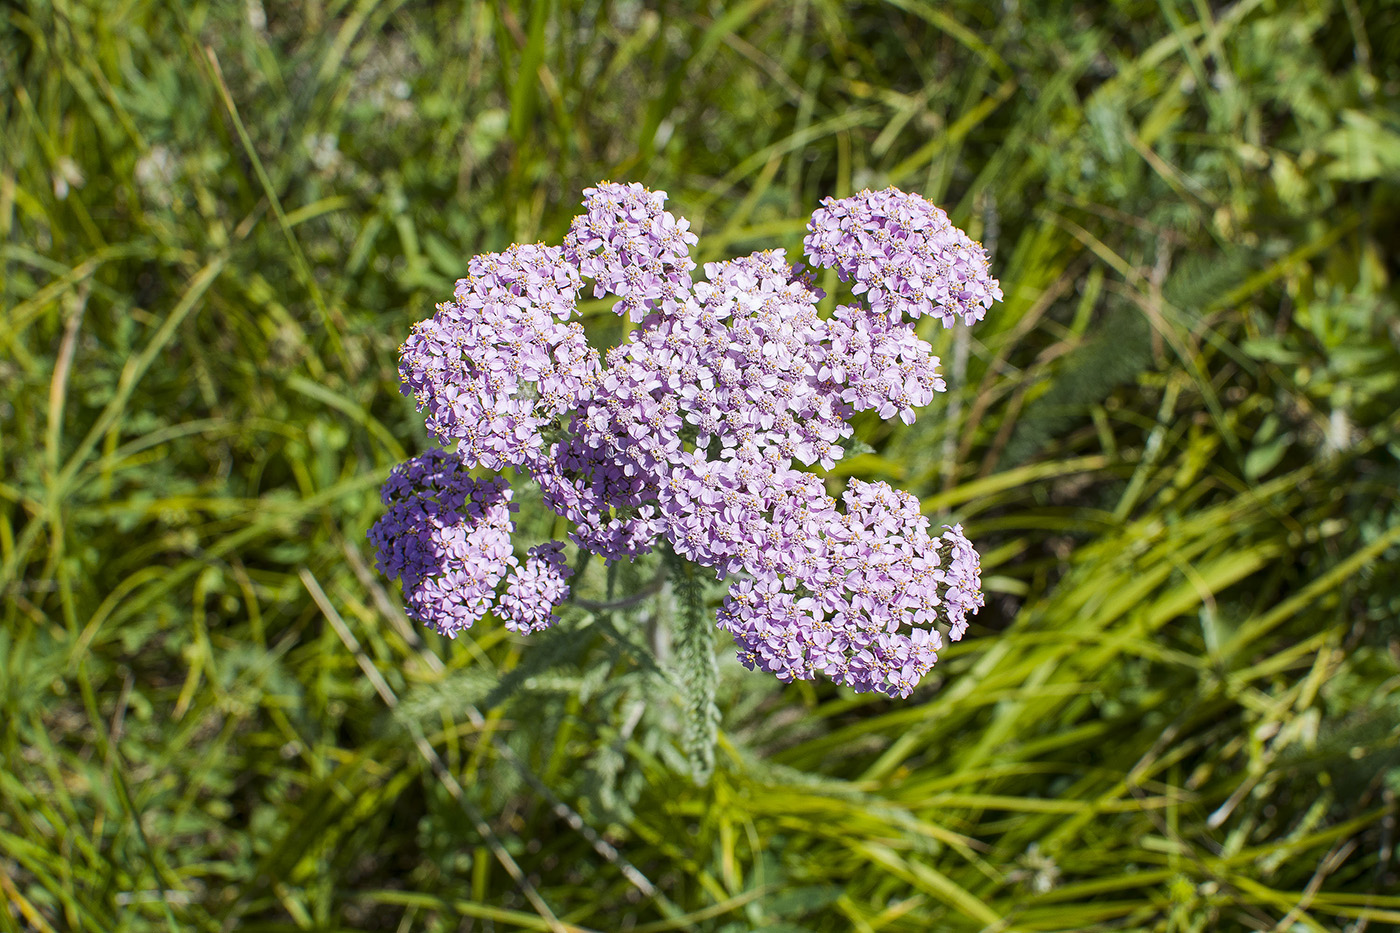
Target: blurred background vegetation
x=1176, y=444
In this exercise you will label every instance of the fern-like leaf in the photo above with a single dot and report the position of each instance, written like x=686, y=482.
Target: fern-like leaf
x=693, y=669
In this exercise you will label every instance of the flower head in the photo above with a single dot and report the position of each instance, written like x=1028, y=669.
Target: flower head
x=903, y=255
x=861, y=603
x=695, y=431
x=535, y=589
x=500, y=362
x=631, y=248
x=446, y=535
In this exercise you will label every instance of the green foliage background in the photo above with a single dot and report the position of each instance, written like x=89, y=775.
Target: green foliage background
x=1175, y=443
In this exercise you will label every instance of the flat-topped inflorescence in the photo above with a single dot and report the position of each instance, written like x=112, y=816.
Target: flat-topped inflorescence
x=903, y=254
x=632, y=248
x=860, y=600
x=446, y=535
x=535, y=588
x=695, y=431
x=501, y=360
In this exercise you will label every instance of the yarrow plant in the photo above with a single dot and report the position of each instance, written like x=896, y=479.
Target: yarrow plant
x=694, y=433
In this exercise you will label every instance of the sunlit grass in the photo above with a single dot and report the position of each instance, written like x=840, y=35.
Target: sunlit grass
x=1175, y=443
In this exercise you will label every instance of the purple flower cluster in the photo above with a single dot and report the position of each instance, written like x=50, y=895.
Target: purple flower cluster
x=632, y=248
x=903, y=254
x=499, y=363
x=858, y=598
x=446, y=535
x=534, y=589
x=695, y=431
